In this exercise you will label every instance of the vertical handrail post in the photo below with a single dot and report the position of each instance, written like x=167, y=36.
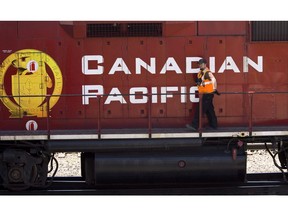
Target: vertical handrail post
x=48, y=116
x=200, y=114
x=250, y=93
x=99, y=117
x=149, y=114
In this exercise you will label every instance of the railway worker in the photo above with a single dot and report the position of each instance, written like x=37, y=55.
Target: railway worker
x=207, y=86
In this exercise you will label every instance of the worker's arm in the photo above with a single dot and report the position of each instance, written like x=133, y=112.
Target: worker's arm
x=214, y=82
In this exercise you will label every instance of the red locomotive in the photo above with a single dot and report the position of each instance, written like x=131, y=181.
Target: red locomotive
x=122, y=92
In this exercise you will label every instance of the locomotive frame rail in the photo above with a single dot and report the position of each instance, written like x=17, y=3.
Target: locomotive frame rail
x=141, y=133
x=256, y=184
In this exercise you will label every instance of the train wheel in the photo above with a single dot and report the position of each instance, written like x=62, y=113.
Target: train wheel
x=20, y=169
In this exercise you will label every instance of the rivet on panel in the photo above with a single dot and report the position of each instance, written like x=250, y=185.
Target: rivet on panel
x=108, y=42
x=141, y=42
x=220, y=41
x=160, y=42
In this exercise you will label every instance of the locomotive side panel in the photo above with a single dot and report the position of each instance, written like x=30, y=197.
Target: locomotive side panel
x=269, y=107
x=162, y=65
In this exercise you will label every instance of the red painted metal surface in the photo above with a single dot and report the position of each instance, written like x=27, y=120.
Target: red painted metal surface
x=150, y=97
x=222, y=28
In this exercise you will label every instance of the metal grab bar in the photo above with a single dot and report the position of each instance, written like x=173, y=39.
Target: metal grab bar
x=149, y=117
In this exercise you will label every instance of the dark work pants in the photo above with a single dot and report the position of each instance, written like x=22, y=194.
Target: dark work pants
x=208, y=109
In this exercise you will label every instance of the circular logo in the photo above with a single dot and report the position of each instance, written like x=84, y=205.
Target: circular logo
x=31, y=125
x=28, y=79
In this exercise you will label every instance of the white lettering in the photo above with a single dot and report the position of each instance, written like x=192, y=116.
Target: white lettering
x=247, y=61
x=229, y=64
x=170, y=65
x=143, y=91
x=154, y=94
x=85, y=65
x=115, y=95
x=139, y=95
x=164, y=94
x=151, y=68
x=91, y=91
x=183, y=94
x=192, y=92
x=212, y=64
x=119, y=65
x=189, y=61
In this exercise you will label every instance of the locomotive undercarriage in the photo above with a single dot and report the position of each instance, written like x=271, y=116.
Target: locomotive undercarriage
x=154, y=162
x=213, y=161
x=168, y=165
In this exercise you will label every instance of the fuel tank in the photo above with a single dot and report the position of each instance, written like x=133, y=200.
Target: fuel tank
x=192, y=166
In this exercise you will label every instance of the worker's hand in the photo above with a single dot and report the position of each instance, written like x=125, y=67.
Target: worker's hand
x=216, y=92
x=198, y=81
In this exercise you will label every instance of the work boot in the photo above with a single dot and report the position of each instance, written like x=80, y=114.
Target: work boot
x=191, y=127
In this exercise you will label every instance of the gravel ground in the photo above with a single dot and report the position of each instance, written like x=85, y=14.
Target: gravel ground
x=258, y=161
x=69, y=164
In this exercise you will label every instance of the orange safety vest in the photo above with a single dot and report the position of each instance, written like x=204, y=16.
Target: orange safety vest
x=206, y=85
